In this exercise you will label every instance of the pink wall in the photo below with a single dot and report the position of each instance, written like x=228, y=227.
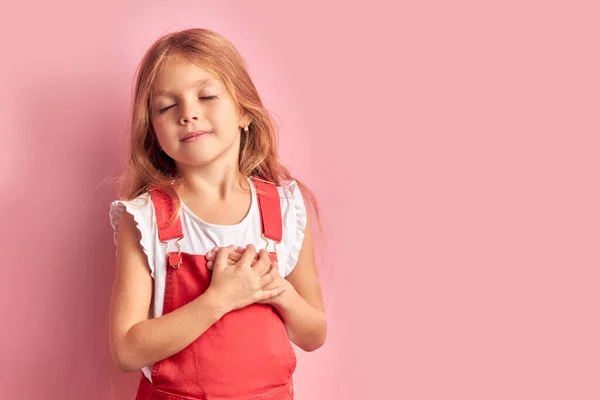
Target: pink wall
x=454, y=148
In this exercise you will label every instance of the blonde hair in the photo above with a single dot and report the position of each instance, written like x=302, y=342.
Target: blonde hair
x=148, y=167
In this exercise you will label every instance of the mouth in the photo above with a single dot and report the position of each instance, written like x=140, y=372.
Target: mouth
x=194, y=136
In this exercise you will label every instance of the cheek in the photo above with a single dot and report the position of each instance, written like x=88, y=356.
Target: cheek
x=161, y=131
x=223, y=113
x=160, y=125
x=227, y=122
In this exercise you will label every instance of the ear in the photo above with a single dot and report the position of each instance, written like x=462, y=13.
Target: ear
x=245, y=122
x=244, y=118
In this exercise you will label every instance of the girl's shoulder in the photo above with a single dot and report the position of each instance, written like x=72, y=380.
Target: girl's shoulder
x=291, y=197
x=287, y=189
x=294, y=217
x=289, y=194
x=142, y=210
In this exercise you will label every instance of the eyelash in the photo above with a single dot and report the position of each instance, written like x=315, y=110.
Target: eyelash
x=205, y=98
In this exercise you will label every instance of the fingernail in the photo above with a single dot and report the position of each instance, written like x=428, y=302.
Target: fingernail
x=215, y=249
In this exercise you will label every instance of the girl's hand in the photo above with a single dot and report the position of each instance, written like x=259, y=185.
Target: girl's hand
x=279, y=281
x=233, y=258
x=242, y=284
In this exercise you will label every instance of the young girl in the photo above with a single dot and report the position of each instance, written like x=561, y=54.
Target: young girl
x=215, y=269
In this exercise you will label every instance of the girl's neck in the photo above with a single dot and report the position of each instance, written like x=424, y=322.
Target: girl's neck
x=212, y=182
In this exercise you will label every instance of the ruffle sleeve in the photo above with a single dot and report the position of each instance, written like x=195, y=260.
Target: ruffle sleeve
x=294, y=223
x=141, y=209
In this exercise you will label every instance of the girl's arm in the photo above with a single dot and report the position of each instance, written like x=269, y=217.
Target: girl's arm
x=301, y=305
x=135, y=340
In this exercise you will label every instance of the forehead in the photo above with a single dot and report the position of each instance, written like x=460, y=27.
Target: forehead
x=180, y=75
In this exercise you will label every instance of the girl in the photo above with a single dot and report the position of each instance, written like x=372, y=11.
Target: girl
x=204, y=319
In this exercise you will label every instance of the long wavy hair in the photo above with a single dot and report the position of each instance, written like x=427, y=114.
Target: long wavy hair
x=148, y=167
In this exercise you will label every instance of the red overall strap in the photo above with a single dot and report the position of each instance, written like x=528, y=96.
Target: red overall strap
x=268, y=201
x=270, y=209
x=164, y=207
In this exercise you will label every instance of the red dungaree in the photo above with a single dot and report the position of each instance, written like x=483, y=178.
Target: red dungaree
x=247, y=354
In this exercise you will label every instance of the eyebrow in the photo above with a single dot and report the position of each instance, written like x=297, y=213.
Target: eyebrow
x=164, y=92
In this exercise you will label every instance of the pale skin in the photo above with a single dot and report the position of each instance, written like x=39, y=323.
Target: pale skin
x=212, y=182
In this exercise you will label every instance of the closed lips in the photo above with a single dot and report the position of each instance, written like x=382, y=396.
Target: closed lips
x=195, y=134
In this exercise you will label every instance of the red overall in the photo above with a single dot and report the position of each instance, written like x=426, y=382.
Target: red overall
x=247, y=354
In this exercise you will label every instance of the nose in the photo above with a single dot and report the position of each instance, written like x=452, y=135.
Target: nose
x=188, y=114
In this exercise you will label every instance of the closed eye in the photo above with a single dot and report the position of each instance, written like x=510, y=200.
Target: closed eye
x=203, y=98
x=209, y=98
x=162, y=110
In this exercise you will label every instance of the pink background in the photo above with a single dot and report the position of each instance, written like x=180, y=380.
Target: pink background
x=454, y=149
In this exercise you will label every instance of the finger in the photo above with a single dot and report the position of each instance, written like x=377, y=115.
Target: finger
x=246, y=259
x=212, y=253
x=256, y=260
x=222, y=256
x=211, y=264
x=235, y=256
x=269, y=294
x=240, y=251
x=275, y=268
x=263, y=265
x=273, y=271
x=267, y=279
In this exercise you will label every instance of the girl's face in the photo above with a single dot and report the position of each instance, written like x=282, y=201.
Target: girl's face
x=194, y=116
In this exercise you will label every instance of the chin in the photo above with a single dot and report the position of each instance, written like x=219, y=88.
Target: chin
x=199, y=158
x=203, y=155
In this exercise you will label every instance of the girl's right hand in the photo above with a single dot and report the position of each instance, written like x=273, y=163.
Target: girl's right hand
x=242, y=283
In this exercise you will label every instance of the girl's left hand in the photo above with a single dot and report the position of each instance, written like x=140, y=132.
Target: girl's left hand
x=279, y=281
